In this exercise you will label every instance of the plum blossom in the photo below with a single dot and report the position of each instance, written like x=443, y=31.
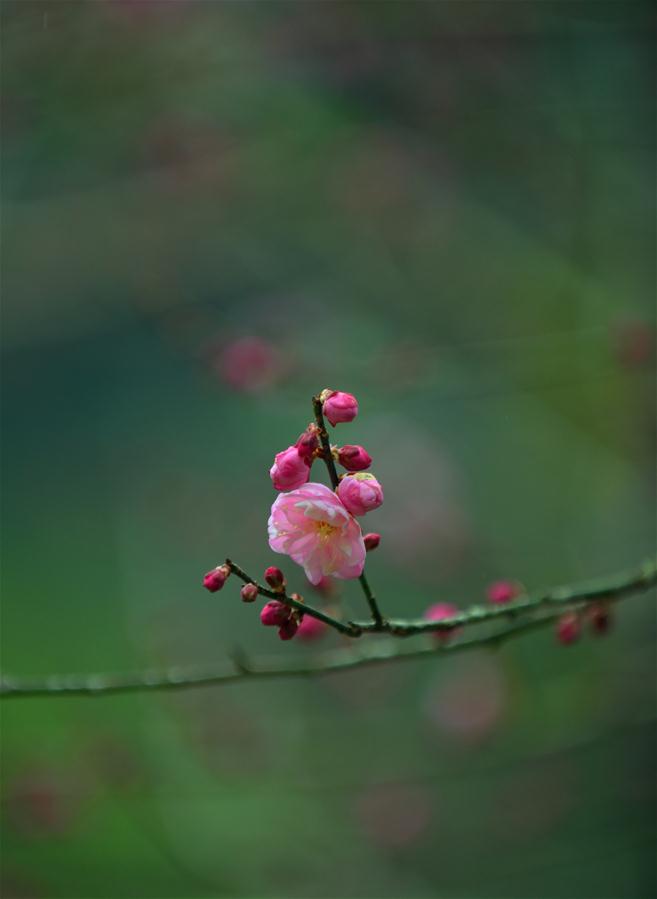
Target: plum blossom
x=312, y=526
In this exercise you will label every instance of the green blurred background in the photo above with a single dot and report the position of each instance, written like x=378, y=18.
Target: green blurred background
x=213, y=210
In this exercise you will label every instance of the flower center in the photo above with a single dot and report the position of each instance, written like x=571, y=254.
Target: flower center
x=325, y=530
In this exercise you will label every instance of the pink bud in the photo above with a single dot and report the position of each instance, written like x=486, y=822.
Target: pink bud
x=307, y=443
x=274, y=613
x=275, y=578
x=503, y=591
x=354, y=458
x=568, y=628
x=360, y=493
x=371, y=541
x=289, y=470
x=288, y=629
x=215, y=579
x=249, y=593
x=340, y=407
x=311, y=628
x=600, y=619
x=439, y=612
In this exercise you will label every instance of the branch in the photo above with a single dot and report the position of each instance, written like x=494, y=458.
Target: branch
x=540, y=610
x=327, y=455
x=349, y=628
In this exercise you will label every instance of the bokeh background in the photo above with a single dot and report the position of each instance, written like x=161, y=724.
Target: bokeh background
x=211, y=211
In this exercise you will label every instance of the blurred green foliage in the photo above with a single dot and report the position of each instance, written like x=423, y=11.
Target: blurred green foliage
x=446, y=208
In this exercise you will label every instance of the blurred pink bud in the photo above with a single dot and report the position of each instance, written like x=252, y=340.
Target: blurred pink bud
x=215, y=579
x=360, y=493
x=311, y=628
x=568, y=628
x=288, y=629
x=289, y=470
x=600, y=619
x=354, y=458
x=249, y=364
x=325, y=586
x=249, y=593
x=503, y=591
x=439, y=612
x=371, y=541
x=340, y=407
x=275, y=578
x=307, y=443
x=635, y=344
x=274, y=613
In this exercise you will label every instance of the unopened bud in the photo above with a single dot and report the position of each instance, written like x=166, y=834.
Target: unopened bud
x=274, y=613
x=339, y=406
x=371, y=541
x=215, y=579
x=249, y=593
x=275, y=578
x=307, y=443
x=288, y=629
x=354, y=458
x=569, y=628
x=600, y=619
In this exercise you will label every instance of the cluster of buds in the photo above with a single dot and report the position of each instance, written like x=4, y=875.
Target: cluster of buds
x=315, y=525
x=277, y=614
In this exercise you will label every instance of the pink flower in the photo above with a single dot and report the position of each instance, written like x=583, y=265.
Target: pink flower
x=438, y=612
x=313, y=527
x=503, y=591
x=339, y=406
x=290, y=470
x=360, y=493
x=354, y=458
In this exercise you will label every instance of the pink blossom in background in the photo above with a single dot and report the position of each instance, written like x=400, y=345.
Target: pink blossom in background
x=467, y=699
x=361, y=493
x=325, y=586
x=249, y=364
x=634, y=344
x=313, y=527
x=438, y=612
x=290, y=470
x=311, y=629
x=503, y=591
x=393, y=815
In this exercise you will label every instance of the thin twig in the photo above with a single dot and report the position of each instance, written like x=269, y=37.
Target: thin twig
x=348, y=628
x=327, y=455
x=539, y=611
